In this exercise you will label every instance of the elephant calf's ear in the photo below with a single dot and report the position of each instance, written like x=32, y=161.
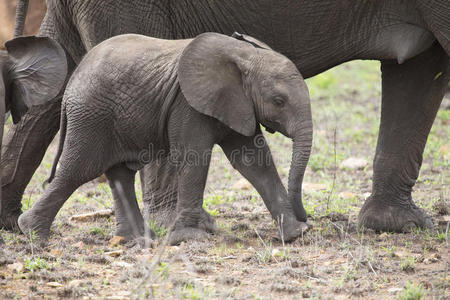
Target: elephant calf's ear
x=38, y=72
x=250, y=40
x=210, y=74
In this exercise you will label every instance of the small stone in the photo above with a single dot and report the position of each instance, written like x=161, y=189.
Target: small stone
x=354, y=163
x=242, y=184
x=16, y=267
x=54, y=284
x=102, y=179
x=435, y=256
x=432, y=259
x=444, y=220
x=144, y=258
x=116, y=253
x=313, y=187
x=347, y=195
x=275, y=252
x=394, y=290
x=79, y=245
x=121, y=264
x=306, y=294
x=116, y=241
x=383, y=236
x=445, y=149
x=56, y=252
x=75, y=283
x=401, y=254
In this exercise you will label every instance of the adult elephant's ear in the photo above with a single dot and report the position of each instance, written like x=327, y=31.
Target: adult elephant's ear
x=212, y=70
x=37, y=72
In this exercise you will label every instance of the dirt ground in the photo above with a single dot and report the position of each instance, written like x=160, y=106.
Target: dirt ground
x=245, y=260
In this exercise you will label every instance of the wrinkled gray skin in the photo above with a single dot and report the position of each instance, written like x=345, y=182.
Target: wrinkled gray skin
x=410, y=37
x=30, y=74
x=134, y=94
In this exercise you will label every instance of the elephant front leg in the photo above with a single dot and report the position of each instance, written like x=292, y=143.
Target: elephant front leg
x=190, y=220
x=251, y=156
x=412, y=94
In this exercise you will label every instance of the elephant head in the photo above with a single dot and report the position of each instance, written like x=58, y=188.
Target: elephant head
x=32, y=71
x=242, y=82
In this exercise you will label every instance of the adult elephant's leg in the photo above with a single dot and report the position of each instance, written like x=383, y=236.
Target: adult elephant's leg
x=23, y=151
x=412, y=94
x=159, y=184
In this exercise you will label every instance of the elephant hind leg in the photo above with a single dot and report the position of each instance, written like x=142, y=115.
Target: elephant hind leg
x=129, y=221
x=159, y=188
x=39, y=218
x=160, y=191
x=75, y=168
x=412, y=94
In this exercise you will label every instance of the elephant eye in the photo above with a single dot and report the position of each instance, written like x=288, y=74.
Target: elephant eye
x=278, y=101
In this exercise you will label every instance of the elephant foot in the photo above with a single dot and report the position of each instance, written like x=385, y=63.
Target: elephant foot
x=393, y=218
x=144, y=242
x=167, y=217
x=137, y=233
x=207, y=222
x=187, y=234
x=293, y=229
x=35, y=226
x=163, y=217
x=9, y=221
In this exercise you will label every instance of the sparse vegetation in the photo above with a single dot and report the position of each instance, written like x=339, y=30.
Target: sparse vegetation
x=159, y=230
x=412, y=292
x=36, y=263
x=408, y=264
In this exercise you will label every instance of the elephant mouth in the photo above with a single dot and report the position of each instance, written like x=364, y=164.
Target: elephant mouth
x=268, y=129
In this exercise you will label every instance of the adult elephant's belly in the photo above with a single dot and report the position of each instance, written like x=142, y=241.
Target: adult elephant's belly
x=401, y=42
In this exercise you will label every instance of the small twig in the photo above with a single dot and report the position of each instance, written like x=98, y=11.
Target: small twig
x=334, y=171
x=31, y=244
x=265, y=246
x=105, y=213
x=314, y=278
x=155, y=262
x=370, y=265
x=229, y=257
x=230, y=294
x=280, y=228
x=346, y=234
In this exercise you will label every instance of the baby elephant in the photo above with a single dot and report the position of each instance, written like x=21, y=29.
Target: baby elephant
x=134, y=98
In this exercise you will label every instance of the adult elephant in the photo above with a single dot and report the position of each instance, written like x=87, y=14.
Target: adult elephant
x=411, y=38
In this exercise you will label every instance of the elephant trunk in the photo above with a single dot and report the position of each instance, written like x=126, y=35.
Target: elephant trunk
x=301, y=149
x=21, y=14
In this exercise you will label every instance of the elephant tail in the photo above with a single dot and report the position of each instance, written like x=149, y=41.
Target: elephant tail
x=62, y=137
x=21, y=14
